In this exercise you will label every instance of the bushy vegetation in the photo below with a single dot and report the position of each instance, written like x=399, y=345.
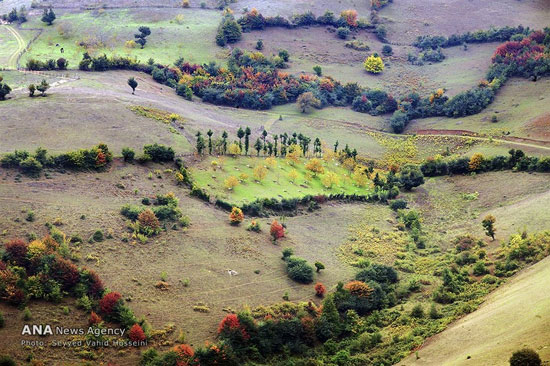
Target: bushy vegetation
x=96, y=158
x=40, y=270
x=480, y=36
x=516, y=161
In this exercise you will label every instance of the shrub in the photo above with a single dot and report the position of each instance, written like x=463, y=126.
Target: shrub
x=299, y=270
x=319, y=266
x=27, y=315
x=342, y=32
x=236, y=216
x=136, y=333
x=525, y=357
x=320, y=289
x=411, y=176
x=398, y=204
x=148, y=222
x=159, y=153
x=359, y=289
x=254, y=226
x=7, y=361
x=417, y=311
x=109, y=302
x=128, y=154
x=277, y=230
x=374, y=64
x=399, y=121
x=98, y=236
x=94, y=319
x=287, y=252
x=387, y=50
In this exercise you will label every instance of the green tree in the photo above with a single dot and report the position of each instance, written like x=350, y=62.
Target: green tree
x=133, y=84
x=247, y=133
x=240, y=135
x=32, y=89
x=411, y=176
x=48, y=16
x=42, y=87
x=318, y=70
x=209, y=134
x=200, y=143
x=525, y=357
x=258, y=146
x=319, y=266
x=4, y=89
x=488, y=224
x=224, y=141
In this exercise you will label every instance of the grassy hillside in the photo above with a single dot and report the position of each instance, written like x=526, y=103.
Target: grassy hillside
x=512, y=317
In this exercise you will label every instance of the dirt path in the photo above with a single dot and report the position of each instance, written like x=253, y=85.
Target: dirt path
x=12, y=62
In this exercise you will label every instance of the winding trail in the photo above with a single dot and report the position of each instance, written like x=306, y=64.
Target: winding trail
x=12, y=61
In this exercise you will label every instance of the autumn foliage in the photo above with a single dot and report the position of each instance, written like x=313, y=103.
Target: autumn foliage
x=236, y=216
x=136, y=333
x=108, y=303
x=185, y=354
x=320, y=289
x=231, y=325
x=358, y=288
x=148, y=220
x=350, y=16
x=277, y=230
x=94, y=319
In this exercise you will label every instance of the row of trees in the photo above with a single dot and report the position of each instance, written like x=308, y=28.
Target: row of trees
x=477, y=163
x=481, y=36
x=254, y=20
x=51, y=64
x=96, y=158
x=16, y=16
x=280, y=145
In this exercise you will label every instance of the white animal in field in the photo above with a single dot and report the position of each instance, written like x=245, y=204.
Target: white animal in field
x=232, y=272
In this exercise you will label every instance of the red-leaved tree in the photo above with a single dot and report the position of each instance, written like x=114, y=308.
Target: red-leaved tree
x=277, y=230
x=94, y=319
x=320, y=289
x=136, y=333
x=108, y=303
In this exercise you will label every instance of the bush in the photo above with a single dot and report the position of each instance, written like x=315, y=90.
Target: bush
x=109, y=302
x=399, y=121
x=411, y=176
x=374, y=64
x=136, y=333
x=299, y=270
x=342, y=32
x=398, y=204
x=159, y=153
x=525, y=357
x=7, y=361
x=236, y=216
x=387, y=50
x=320, y=289
x=277, y=230
x=98, y=236
x=417, y=311
x=128, y=154
x=287, y=252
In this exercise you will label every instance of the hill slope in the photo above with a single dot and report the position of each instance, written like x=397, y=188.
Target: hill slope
x=514, y=316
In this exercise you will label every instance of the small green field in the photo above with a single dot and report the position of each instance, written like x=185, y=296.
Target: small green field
x=277, y=183
x=174, y=34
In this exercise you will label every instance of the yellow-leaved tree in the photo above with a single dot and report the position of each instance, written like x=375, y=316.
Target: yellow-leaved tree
x=374, y=64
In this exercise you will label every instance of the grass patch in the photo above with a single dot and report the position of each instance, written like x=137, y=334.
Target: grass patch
x=281, y=181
